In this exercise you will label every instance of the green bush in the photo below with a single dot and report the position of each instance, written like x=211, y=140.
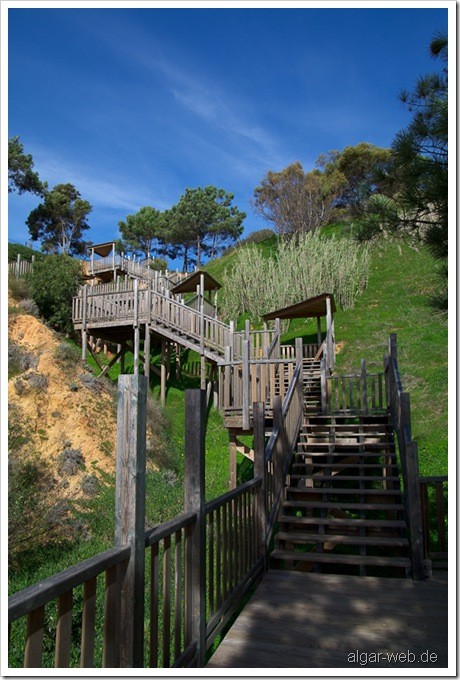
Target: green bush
x=19, y=288
x=53, y=283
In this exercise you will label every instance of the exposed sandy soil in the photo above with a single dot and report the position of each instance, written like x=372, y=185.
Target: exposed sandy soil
x=66, y=414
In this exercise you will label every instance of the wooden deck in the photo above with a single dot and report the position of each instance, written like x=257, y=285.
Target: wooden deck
x=303, y=620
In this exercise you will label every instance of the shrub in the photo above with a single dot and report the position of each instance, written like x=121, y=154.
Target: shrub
x=19, y=359
x=66, y=354
x=33, y=381
x=90, y=485
x=70, y=461
x=29, y=307
x=19, y=288
x=53, y=283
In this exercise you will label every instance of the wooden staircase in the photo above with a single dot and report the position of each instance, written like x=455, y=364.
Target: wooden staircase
x=343, y=510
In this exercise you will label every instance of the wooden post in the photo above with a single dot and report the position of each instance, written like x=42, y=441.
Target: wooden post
x=231, y=340
x=298, y=350
x=163, y=373
x=178, y=364
x=232, y=459
x=318, y=330
x=147, y=353
x=136, y=350
x=329, y=333
x=194, y=501
x=278, y=342
x=122, y=361
x=364, y=386
x=83, y=332
x=203, y=372
x=202, y=318
x=247, y=329
x=130, y=513
x=246, y=385
x=323, y=387
x=83, y=346
x=260, y=470
x=92, y=261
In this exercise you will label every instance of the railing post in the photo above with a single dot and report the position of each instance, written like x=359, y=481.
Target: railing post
x=298, y=350
x=83, y=323
x=130, y=513
x=364, y=386
x=323, y=387
x=415, y=512
x=329, y=334
x=194, y=501
x=278, y=340
x=246, y=384
x=260, y=470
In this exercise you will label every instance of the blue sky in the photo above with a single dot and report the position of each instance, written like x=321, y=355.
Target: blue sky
x=134, y=105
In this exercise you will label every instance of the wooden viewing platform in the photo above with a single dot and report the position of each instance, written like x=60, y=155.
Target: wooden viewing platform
x=301, y=620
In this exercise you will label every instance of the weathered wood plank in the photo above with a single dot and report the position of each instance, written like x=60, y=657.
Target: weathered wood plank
x=316, y=620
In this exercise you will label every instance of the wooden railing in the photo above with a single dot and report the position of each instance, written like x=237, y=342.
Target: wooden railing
x=309, y=351
x=287, y=421
x=356, y=393
x=399, y=409
x=433, y=491
x=26, y=610
x=234, y=558
x=243, y=382
x=20, y=268
x=143, y=305
x=194, y=568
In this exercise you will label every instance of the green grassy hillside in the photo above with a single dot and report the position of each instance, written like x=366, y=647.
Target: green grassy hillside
x=396, y=300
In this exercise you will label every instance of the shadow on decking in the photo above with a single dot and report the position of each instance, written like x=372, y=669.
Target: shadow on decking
x=300, y=620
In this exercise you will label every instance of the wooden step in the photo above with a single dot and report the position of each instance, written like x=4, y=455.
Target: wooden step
x=334, y=558
x=345, y=505
x=300, y=537
x=341, y=522
x=349, y=466
x=345, y=478
x=339, y=491
x=338, y=454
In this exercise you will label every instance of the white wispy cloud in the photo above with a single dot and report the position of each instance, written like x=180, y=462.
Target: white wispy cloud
x=113, y=191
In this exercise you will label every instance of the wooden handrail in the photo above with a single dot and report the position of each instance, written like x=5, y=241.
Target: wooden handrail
x=434, y=523
x=399, y=409
x=49, y=589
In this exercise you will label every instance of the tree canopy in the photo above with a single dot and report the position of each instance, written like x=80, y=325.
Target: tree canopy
x=201, y=223
x=142, y=232
x=297, y=201
x=362, y=166
x=21, y=176
x=60, y=220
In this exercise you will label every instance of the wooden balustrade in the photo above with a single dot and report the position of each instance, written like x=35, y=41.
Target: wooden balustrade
x=168, y=575
x=287, y=421
x=309, y=351
x=433, y=491
x=399, y=408
x=242, y=383
x=356, y=393
x=20, y=268
x=233, y=553
x=95, y=624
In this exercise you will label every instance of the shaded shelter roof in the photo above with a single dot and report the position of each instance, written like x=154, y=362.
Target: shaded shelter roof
x=102, y=249
x=189, y=284
x=313, y=307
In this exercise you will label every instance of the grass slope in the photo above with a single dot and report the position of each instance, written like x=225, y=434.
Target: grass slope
x=396, y=300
